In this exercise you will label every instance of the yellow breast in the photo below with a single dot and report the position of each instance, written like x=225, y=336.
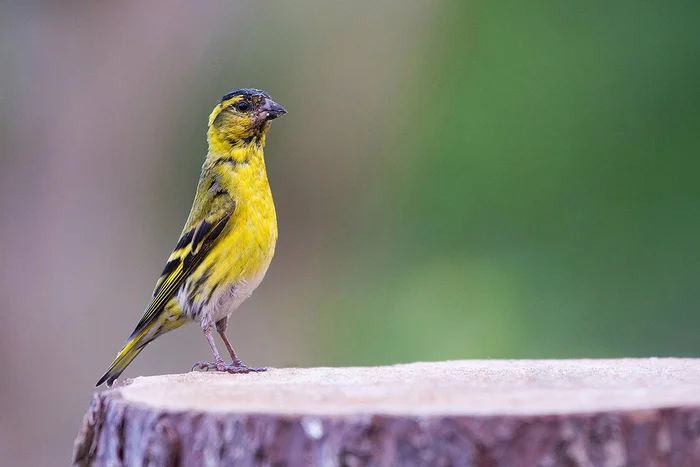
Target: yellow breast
x=248, y=246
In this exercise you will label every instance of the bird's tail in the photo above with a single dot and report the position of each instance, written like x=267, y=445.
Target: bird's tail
x=132, y=348
x=150, y=327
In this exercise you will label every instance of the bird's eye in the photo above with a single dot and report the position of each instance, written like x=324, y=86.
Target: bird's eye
x=243, y=106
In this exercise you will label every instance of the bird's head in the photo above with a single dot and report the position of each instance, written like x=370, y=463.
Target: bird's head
x=242, y=117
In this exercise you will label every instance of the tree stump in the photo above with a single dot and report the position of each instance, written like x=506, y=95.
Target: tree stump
x=495, y=413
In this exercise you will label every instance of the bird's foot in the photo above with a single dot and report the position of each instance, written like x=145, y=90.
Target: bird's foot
x=236, y=367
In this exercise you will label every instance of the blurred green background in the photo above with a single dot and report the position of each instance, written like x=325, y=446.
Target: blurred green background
x=453, y=180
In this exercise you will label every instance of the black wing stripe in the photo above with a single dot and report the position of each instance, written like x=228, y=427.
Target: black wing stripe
x=170, y=267
x=185, y=239
x=201, y=232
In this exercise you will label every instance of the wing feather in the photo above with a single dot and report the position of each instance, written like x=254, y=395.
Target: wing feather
x=191, y=249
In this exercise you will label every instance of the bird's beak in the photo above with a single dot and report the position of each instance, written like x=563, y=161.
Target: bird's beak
x=272, y=109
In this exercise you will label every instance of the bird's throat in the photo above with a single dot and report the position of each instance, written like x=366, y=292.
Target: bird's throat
x=236, y=145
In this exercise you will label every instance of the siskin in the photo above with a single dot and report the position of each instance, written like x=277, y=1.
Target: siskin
x=228, y=240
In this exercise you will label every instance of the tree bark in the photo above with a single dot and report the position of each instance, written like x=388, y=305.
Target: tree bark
x=461, y=413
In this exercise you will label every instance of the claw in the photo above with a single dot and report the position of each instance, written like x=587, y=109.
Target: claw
x=205, y=366
x=237, y=367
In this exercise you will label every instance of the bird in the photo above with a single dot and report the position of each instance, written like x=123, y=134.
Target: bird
x=228, y=240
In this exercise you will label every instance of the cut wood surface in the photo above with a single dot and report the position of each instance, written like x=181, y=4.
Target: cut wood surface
x=488, y=413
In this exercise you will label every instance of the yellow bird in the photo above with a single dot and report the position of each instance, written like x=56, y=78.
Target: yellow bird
x=228, y=240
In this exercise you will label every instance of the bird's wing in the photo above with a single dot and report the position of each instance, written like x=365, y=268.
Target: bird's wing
x=191, y=249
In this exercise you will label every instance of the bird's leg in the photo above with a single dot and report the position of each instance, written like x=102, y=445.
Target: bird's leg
x=236, y=366
x=221, y=326
x=218, y=363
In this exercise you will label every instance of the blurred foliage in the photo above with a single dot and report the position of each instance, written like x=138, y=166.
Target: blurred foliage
x=546, y=195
